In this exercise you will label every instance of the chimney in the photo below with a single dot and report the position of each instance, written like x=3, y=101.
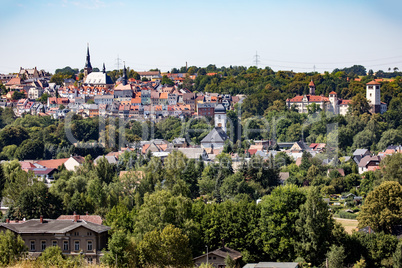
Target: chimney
x=41, y=219
x=86, y=213
x=76, y=218
x=7, y=220
x=369, y=230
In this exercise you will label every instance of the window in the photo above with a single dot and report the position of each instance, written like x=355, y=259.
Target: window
x=89, y=260
x=89, y=233
x=370, y=94
x=65, y=245
x=32, y=245
x=76, y=233
x=43, y=243
x=54, y=243
x=77, y=245
x=89, y=247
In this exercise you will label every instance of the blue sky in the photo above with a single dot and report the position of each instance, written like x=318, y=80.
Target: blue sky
x=288, y=35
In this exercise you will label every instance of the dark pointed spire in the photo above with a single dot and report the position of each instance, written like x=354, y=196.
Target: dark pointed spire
x=88, y=66
x=104, y=69
x=124, y=80
x=88, y=61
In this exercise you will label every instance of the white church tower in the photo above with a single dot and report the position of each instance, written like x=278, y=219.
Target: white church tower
x=220, y=117
x=373, y=95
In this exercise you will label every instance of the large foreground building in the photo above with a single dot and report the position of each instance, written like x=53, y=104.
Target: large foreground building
x=75, y=237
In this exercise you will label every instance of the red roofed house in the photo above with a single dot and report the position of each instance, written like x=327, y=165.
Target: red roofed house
x=54, y=163
x=369, y=163
x=74, y=162
x=332, y=103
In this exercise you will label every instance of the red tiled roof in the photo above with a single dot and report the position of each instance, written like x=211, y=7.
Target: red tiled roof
x=373, y=83
x=54, y=163
x=311, y=84
x=310, y=98
x=89, y=218
x=332, y=93
x=345, y=102
x=313, y=145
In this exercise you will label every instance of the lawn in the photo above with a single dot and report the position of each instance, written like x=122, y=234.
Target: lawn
x=349, y=225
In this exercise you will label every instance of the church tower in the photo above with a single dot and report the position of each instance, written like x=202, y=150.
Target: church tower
x=373, y=95
x=88, y=66
x=311, y=86
x=124, y=78
x=220, y=117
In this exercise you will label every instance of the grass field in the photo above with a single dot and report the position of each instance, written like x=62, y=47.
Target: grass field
x=349, y=225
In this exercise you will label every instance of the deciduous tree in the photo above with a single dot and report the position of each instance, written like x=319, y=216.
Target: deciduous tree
x=382, y=208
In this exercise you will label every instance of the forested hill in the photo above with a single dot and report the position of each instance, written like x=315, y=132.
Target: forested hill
x=264, y=86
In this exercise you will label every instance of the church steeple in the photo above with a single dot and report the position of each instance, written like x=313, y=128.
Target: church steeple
x=104, y=69
x=124, y=79
x=88, y=66
x=311, y=87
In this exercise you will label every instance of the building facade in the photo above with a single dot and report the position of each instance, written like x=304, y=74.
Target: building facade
x=74, y=237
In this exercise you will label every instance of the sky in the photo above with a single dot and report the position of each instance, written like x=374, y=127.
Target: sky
x=296, y=35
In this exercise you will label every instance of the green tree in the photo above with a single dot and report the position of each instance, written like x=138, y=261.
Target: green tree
x=122, y=251
x=167, y=81
x=52, y=257
x=397, y=257
x=315, y=225
x=336, y=256
x=16, y=181
x=229, y=262
x=382, y=208
x=105, y=170
x=169, y=247
x=352, y=180
x=389, y=137
x=359, y=105
x=279, y=212
x=160, y=209
x=121, y=218
x=391, y=168
x=30, y=149
x=2, y=181
x=36, y=201
x=12, y=248
x=13, y=135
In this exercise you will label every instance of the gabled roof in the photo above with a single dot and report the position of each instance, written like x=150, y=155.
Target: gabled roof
x=216, y=135
x=223, y=252
x=52, y=226
x=367, y=159
x=54, y=163
x=361, y=152
x=111, y=159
